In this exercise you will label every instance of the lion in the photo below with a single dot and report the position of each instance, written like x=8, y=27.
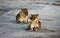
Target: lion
x=35, y=24
x=22, y=16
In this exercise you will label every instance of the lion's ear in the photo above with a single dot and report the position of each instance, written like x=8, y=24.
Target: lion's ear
x=37, y=14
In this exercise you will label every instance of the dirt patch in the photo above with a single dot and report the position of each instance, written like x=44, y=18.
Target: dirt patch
x=55, y=4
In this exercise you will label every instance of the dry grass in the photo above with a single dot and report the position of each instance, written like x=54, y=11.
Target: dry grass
x=56, y=4
x=45, y=3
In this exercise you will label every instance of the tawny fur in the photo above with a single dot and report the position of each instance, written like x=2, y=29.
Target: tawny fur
x=22, y=16
x=35, y=24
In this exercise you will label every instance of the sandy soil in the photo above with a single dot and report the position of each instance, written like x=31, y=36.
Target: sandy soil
x=49, y=15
